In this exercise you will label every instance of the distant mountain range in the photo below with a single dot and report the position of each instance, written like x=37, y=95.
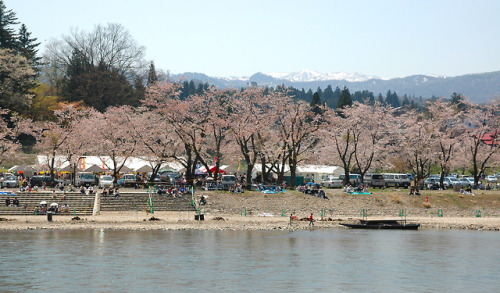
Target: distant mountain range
x=478, y=88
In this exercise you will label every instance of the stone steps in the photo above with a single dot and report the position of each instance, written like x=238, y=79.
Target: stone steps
x=78, y=203
x=139, y=201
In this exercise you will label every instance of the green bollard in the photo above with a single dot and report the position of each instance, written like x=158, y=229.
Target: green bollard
x=440, y=213
x=243, y=212
x=74, y=212
x=283, y=212
x=478, y=214
x=402, y=213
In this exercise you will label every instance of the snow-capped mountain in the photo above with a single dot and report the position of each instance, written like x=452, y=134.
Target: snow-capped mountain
x=310, y=75
x=479, y=87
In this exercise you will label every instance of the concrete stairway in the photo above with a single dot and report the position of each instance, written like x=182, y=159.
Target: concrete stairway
x=131, y=201
x=78, y=203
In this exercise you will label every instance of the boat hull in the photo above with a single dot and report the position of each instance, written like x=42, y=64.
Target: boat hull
x=410, y=226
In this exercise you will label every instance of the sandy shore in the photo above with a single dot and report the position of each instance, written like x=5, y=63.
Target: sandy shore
x=186, y=221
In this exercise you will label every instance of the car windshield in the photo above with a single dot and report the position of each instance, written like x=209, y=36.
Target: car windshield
x=86, y=176
x=10, y=178
x=129, y=177
x=107, y=178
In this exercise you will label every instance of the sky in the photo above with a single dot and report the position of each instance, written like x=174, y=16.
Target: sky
x=383, y=38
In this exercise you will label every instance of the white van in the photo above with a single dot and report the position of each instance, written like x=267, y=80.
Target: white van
x=396, y=180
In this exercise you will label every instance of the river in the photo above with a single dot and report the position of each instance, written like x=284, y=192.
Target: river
x=336, y=260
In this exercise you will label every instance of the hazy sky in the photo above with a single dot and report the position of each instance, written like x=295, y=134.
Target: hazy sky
x=238, y=38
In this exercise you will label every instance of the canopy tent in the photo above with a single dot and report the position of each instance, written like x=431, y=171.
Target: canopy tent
x=26, y=169
x=144, y=169
x=203, y=170
x=126, y=169
x=68, y=168
x=94, y=168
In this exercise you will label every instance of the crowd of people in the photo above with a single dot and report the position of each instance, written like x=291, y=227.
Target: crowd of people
x=313, y=189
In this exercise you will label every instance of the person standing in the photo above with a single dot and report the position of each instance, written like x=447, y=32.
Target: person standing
x=311, y=220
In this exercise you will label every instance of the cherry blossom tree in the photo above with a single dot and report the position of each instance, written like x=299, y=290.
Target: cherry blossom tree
x=113, y=135
x=480, y=143
x=214, y=107
x=297, y=127
x=11, y=126
x=59, y=139
x=155, y=140
x=446, y=126
x=413, y=142
x=371, y=132
x=250, y=126
x=339, y=143
x=182, y=117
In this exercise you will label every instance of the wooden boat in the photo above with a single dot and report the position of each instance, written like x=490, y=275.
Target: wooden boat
x=383, y=224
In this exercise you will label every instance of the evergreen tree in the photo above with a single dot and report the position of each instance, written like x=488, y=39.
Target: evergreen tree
x=191, y=88
x=315, y=103
x=7, y=33
x=97, y=86
x=458, y=99
x=320, y=92
x=406, y=102
x=345, y=99
x=392, y=99
x=328, y=96
x=27, y=47
x=381, y=98
x=152, y=77
x=315, y=100
x=309, y=95
x=140, y=89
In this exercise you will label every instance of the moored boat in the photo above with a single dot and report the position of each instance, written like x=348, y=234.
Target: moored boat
x=382, y=224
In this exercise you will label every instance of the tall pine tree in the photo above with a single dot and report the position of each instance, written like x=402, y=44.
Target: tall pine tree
x=152, y=77
x=345, y=98
x=27, y=47
x=7, y=33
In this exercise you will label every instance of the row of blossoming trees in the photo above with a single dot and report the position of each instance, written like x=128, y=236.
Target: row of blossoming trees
x=269, y=128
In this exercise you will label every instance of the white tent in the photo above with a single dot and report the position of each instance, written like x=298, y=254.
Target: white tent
x=144, y=169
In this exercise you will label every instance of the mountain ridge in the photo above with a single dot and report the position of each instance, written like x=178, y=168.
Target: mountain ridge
x=477, y=87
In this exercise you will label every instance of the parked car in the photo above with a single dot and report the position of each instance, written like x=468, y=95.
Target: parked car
x=128, y=180
x=453, y=181
x=3, y=176
x=39, y=179
x=396, y=180
x=353, y=178
x=332, y=182
x=468, y=181
x=10, y=182
x=228, y=181
x=85, y=179
x=491, y=179
x=105, y=181
x=374, y=180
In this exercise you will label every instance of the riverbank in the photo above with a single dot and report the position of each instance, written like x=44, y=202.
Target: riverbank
x=185, y=221
x=257, y=211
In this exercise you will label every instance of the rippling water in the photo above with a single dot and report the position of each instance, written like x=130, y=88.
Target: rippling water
x=334, y=260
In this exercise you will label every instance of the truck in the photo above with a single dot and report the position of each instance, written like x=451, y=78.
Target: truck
x=227, y=181
x=84, y=179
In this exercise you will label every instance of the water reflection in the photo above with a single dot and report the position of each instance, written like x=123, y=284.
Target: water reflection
x=249, y=261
